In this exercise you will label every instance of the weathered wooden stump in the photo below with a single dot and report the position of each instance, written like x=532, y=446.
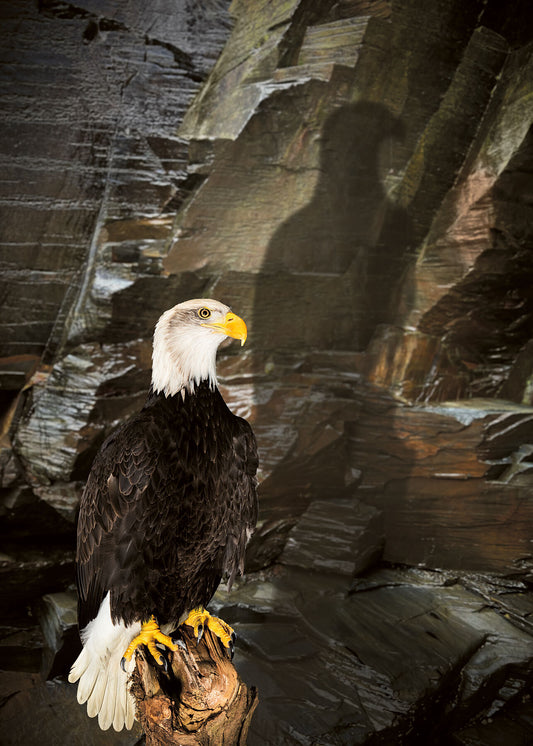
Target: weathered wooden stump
x=199, y=701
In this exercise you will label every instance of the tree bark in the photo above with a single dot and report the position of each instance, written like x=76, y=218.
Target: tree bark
x=199, y=701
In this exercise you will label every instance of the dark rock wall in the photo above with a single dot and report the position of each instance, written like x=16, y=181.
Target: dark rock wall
x=94, y=173
x=365, y=197
x=353, y=177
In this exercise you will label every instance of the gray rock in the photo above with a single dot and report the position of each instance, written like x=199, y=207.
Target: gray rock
x=404, y=654
x=48, y=713
x=57, y=616
x=339, y=536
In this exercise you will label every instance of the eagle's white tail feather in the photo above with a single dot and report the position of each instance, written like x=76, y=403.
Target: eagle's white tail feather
x=106, y=716
x=87, y=676
x=102, y=682
x=120, y=708
x=94, y=704
x=130, y=711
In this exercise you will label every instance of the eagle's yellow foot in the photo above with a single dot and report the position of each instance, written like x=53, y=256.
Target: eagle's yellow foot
x=149, y=635
x=199, y=619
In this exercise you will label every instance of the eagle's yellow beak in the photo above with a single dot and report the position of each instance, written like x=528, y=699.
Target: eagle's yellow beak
x=232, y=326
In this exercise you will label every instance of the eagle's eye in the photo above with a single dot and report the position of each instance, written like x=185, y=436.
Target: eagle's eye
x=204, y=313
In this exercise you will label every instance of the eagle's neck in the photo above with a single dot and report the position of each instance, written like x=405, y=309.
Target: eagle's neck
x=185, y=398
x=182, y=360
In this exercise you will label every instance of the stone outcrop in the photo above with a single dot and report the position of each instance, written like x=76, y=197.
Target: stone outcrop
x=400, y=657
x=354, y=179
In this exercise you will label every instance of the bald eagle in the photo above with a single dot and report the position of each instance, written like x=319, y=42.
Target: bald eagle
x=166, y=513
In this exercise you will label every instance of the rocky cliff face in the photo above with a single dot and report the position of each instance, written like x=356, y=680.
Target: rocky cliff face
x=354, y=179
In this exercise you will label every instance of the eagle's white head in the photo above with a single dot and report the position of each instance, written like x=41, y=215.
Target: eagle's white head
x=186, y=340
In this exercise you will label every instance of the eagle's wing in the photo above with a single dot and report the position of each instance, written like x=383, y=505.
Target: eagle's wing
x=121, y=473
x=243, y=473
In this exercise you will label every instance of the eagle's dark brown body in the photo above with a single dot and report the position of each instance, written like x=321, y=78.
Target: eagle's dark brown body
x=167, y=510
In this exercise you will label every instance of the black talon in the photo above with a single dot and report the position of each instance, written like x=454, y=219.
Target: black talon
x=200, y=633
x=179, y=642
x=163, y=663
x=233, y=641
x=123, y=664
x=161, y=660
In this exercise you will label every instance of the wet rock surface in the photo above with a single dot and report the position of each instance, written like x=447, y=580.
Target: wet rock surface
x=354, y=179
x=398, y=656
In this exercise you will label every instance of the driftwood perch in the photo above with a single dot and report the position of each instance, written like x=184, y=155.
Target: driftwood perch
x=199, y=701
